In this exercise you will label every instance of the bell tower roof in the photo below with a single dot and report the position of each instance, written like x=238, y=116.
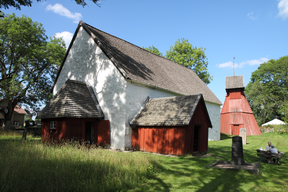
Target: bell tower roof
x=234, y=82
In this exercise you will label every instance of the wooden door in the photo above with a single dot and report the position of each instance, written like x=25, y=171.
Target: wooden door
x=196, y=139
x=89, y=133
x=235, y=129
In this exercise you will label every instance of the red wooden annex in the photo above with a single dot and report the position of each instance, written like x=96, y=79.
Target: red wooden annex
x=81, y=129
x=172, y=125
x=74, y=113
x=236, y=112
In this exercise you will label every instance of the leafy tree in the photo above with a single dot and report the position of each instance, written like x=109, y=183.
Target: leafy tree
x=17, y=3
x=267, y=91
x=185, y=54
x=153, y=49
x=28, y=63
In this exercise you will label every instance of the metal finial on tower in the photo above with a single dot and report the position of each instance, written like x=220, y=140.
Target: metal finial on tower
x=233, y=67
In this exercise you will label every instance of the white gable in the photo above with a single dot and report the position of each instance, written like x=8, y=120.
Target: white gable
x=86, y=62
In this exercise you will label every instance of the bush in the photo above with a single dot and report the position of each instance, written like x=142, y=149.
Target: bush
x=277, y=129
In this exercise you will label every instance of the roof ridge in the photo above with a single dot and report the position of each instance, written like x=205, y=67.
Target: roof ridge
x=75, y=81
x=163, y=98
x=64, y=85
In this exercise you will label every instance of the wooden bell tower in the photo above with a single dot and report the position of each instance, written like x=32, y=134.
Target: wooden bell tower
x=236, y=112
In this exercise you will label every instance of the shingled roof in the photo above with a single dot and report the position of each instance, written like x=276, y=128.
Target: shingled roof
x=167, y=111
x=75, y=99
x=137, y=64
x=234, y=82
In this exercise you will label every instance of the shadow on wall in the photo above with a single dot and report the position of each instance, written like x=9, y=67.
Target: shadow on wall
x=87, y=63
x=126, y=62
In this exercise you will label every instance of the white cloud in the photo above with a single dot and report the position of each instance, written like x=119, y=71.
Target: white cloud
x=254, y=61
x=229, y=64
x=63, y=11
x=283, y=8
x=66, y=35
x=250, y=15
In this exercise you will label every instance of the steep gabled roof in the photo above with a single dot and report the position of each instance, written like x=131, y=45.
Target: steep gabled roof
x=139, y=65
x=75, y=99
x=168, y=111
x=234, y=82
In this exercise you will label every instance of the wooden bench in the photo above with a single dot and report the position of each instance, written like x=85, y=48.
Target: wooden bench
x=266, y=154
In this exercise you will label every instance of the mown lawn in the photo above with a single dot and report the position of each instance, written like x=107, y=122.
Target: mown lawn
x=33, y=166
x=189, y=173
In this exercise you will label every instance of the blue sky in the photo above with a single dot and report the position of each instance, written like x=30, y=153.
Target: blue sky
x=251, y=31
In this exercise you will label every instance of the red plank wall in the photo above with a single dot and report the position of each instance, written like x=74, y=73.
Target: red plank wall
x=159, y=140
x=236, y=112
x=201, y=119
x=173, y=140
x=51, y=134
x=102, y=135
x=44, y=130
x=75, y=129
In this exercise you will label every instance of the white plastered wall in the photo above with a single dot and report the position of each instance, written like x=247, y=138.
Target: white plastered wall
x=214, y=114
x=136, y=95
x=87, y=63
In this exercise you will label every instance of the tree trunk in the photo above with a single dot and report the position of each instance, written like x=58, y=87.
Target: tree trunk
x=8, y=115
x=7, y=124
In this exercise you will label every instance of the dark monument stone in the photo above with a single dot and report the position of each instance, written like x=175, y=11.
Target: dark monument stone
x=237, y=160
x=237, y=151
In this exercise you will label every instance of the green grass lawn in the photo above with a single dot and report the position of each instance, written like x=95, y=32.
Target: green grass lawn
x=189, y=173
x=33, y=166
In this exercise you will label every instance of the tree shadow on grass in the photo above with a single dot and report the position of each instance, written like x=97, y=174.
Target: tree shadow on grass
x=190, y=174
x=225, y=136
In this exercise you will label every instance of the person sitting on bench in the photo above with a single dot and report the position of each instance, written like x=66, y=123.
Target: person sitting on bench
x=268, y=147
x=274, y=150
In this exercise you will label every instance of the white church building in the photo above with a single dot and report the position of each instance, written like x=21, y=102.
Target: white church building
x=123, y=75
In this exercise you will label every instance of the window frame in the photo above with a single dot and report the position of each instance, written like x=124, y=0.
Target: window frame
x=18, y=123
x=53, y=125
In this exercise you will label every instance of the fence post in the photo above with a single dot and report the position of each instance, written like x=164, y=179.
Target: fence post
x=27, y=123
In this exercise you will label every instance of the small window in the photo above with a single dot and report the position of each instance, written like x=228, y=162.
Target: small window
x=52, y=124
x=16, y=123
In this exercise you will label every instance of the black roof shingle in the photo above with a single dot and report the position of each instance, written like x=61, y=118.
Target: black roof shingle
x=234, y=82
x=168, y=111
x=74, y=99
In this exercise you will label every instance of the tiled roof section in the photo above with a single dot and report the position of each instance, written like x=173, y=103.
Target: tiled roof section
x=144, y=67
x=167, y=111
x=233, y=82
x=19, y=110
x=74, y=99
